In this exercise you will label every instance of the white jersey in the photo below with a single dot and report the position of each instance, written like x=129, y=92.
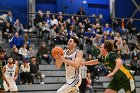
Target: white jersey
x=10, y=72
x=72, y=74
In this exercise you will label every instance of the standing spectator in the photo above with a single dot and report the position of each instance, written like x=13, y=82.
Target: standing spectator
x=34, y=70
x=43, y=53
x=16, y=40
x=25, y=72
x=11, y=74
x=81, y=11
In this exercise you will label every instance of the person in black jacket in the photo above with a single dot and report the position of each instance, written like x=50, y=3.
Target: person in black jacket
x=34, y=70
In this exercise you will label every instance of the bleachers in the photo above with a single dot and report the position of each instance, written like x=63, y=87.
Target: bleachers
x=55, y=78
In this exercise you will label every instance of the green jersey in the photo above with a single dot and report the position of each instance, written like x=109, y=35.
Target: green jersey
x=110, y=62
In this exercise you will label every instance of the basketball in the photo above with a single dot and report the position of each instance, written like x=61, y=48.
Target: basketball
x=57, y=51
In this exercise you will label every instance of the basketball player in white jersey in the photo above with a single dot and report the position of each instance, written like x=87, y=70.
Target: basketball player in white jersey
x=72, y=59
x=11, y=74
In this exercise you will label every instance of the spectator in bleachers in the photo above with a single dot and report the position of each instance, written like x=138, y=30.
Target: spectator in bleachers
x=131, y=27
x=63, y=35
x=71, y=32
x=116, y=25
x=80, y=35
x=54, y=35
x=7, y=32
x=47, y=18
x=18, y=27
x=60, y=20
x=86, y=23
x=105, y=37
x=94, y=51
x=93, y=27
x=11, y=50
x=31, y=52
x=68, y=24
x=97, y=40
x=125, y=50
x=16, y=56
x=118, y=37
x=97, y=21
x=98, y=29
x=24, y=51
x=25, y=74
x=81, y=11
x=107, y=29
x=134, y=64
x=43, y=53
x=26, y=40
x=54, y=20
x=34, y=70
x=10, y=17
x=16, y=40
x=88, y=37
x=39, y=18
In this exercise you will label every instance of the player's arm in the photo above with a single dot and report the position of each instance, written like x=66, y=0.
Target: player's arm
x=58, y=63
x=3, y=76
x=119, y=64
x=91, y=62
x=16, y=73
x=74, y=63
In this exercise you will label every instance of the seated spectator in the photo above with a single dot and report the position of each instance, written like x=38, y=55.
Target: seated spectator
x=26, y=40
x=34, y=70
x=54, y=21
x=97, y=40
x=118, y=37
x=16, y=40
x=24, y=51
x=108, y=29
x=134, y=64
x=43, y=53
x=7, y=32
x=10, y=17
x=105, y=37
x=131, y=27
x=16, y=56
x=125, y=50
x=98, y=29
x=25, y=75
x=31, y=52
x=18, y=27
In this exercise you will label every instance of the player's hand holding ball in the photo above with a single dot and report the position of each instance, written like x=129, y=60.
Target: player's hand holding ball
x=57, y=54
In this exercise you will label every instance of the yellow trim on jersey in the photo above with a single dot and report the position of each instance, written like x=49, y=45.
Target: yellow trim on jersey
x=126, y=72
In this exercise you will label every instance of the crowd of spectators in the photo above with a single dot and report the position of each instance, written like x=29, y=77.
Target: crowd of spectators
x=56, y=29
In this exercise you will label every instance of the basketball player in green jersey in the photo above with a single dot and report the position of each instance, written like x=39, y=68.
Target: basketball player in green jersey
x=2, y=77
x=121, y=76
